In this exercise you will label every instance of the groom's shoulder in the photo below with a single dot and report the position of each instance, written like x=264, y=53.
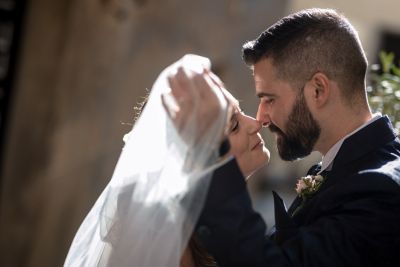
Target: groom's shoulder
x=377, y=171
x=388, y=171
x=386, y=164
x=381, y=164
x=369, y=188
x=382, y=177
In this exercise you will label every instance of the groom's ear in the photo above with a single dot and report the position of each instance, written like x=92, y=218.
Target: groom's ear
x=319, y=88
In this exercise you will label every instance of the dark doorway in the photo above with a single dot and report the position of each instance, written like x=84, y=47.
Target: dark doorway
x=11, y=17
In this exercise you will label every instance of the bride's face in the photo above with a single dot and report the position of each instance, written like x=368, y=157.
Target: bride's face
x=246, y=142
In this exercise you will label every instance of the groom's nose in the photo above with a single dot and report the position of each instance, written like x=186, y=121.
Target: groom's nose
x=263, y=115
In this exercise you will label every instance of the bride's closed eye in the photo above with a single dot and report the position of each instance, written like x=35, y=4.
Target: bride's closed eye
x=234, y=123
x=235, y=126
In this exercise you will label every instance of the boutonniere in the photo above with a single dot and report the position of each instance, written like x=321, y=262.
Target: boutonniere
x=309, y=185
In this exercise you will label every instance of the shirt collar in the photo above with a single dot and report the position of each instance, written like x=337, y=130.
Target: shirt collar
x=327, y=160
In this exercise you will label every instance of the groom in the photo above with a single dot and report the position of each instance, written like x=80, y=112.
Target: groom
x=309, y=71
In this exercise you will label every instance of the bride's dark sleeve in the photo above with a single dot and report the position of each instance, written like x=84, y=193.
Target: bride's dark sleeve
x=228, y=226
x=234, y=234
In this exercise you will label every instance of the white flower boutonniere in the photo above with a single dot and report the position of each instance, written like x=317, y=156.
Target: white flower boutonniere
x=307, y=186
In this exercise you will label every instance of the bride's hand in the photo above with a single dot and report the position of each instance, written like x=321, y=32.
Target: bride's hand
x=195, y=101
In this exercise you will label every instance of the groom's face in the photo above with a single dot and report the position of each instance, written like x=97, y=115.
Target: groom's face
x=301, y=132
x=284, y=110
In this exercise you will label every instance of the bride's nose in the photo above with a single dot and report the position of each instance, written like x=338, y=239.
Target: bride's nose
x=254, y=125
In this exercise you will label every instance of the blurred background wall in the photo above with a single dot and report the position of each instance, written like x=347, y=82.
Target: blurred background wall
x=72, y=74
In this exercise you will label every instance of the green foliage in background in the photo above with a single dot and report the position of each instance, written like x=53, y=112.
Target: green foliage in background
x=384, y=91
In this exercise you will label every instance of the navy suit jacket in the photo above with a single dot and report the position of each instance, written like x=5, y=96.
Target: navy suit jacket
x=353, y=219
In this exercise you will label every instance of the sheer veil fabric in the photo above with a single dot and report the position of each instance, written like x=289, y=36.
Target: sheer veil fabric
x=146, y=214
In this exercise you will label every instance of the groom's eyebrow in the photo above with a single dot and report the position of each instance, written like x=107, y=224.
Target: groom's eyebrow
x=263, y=94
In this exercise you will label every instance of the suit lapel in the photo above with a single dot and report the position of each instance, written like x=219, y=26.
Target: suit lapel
x=284, y=225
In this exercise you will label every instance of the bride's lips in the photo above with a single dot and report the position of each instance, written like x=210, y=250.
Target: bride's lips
x=258, y=143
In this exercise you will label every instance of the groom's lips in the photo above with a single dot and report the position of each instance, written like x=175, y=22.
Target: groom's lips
x=274, y=129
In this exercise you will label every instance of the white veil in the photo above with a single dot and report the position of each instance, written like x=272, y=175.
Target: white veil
x=146, y=214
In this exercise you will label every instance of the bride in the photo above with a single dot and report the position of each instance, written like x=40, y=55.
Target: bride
x=146, y=214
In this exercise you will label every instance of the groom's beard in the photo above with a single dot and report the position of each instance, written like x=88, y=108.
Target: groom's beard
x=302, y=132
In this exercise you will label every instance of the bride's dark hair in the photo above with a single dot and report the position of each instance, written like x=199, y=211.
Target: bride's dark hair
x=200, y=256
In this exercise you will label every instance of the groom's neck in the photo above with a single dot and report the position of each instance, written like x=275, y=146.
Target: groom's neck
x=340, y=125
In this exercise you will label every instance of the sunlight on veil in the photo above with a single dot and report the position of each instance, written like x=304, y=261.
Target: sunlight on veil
x=146, y=214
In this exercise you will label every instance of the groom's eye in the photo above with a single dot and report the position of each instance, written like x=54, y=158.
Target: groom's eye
x=269, y=100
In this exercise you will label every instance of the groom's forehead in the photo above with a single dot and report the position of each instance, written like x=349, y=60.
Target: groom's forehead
x=268, y=85
x=264, y=74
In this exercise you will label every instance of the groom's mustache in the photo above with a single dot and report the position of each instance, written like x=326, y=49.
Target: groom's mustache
x=274, y=129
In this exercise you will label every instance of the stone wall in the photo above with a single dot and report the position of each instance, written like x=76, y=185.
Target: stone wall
x=83, y=67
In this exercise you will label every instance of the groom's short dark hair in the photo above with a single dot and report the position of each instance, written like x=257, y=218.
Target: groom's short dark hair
x=312, y=40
